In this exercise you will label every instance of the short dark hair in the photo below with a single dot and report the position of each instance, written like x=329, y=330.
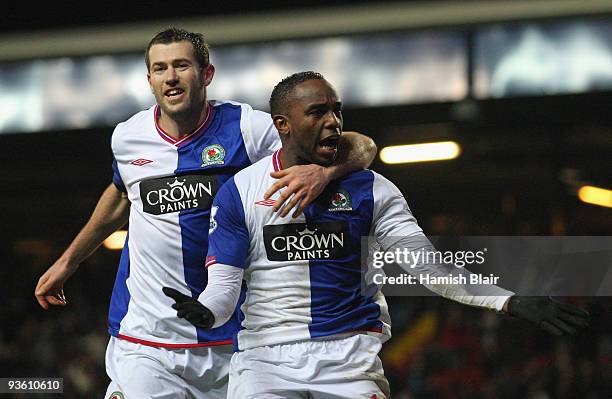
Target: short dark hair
x=173, y=35
x=282, y=91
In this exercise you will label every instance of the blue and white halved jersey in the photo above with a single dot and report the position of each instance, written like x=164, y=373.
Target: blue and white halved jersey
x=304, y=275
x=171, y=185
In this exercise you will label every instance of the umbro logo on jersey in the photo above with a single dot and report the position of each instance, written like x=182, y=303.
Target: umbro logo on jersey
x=140, y=161
x=268, y=202
x=305, y=241
x=178, y=193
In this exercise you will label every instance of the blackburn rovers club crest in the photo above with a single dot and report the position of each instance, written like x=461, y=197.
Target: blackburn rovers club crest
x=116, y=395
x=341, y=201
x=213, y=155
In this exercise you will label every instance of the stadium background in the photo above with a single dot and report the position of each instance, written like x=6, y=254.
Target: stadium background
x=525, y=152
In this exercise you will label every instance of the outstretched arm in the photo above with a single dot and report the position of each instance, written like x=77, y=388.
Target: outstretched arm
x=551, y=315
x=306, y=182
x=111, y=212
x=396, y=229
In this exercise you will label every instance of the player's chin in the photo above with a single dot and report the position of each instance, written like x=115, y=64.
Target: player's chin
x=176, y=110
x=325, y=157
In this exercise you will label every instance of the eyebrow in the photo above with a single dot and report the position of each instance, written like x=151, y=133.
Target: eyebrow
x=178, y=60
x=337, y=104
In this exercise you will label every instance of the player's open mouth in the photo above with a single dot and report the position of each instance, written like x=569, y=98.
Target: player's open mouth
x=329, y=145
x=174, y=92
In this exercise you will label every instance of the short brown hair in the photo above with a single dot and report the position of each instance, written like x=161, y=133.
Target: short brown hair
x=173, y=35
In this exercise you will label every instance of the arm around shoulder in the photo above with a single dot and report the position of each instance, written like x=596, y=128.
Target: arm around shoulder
x=306, y=182
x=356, y=151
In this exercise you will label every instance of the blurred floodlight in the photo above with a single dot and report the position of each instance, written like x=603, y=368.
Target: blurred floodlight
x=595, y=196
x=116, y=240
x=424, y=152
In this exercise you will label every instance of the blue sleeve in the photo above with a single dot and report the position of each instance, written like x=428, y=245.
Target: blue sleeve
x=228, y=236
x=117, y=180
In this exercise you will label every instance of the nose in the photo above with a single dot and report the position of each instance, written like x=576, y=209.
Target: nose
x=171, y=76
x=334, y=122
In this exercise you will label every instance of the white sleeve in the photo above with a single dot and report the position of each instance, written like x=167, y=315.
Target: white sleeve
x=392, y=216
x=259, y=133
x=486, y=296
x=222, y=292
x=396, y=228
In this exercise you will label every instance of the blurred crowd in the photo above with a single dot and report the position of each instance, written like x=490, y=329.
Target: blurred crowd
x=445, y=350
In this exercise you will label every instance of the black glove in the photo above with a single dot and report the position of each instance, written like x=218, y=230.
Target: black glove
x=189, y=308
x=555, y=317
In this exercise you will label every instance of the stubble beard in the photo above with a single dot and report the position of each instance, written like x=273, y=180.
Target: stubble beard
x=185, y=111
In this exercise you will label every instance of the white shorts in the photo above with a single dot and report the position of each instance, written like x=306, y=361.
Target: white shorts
x=320, y=369
x=141, y=372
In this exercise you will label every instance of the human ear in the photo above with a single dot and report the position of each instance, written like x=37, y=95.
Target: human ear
x=282, y=124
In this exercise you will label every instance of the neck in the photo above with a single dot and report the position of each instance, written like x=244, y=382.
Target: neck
x=178, y=127
x=288, y=158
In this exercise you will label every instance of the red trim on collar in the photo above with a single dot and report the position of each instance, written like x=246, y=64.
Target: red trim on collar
x=196, y=133
x=276, y=160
